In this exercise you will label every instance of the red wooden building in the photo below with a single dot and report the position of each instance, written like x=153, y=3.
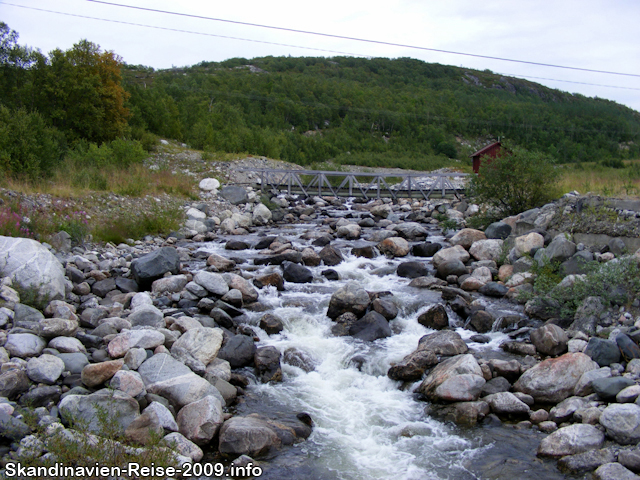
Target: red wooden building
x=487, y=153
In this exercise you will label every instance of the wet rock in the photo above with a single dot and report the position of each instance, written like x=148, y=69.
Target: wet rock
x=310, y=258
x=608, y=388
x=413, y=366
x=273, y=279
x=457, y=379
x=350, y=298
x=298, y=358
x=603, y=352
x=495, y=385
x=549, y=339
x=622, y=423
x=271, y=324
x=470, y=413
x=435, y=317
x=199, y=421
x=385, y=307
x=587, y=461
x=426, y=249
x=236, y=282
x=506, y=403
x=451, y=267
x=365, y=252
x=238, y=350
x=350, y=231
x=84, y=408
x=481, y=321
x=330, y=274
x=370, y=327
x=246, y=436
x=509, y=369
x=292, y=272
x=571, y=440
x=494, y=289
x=394, y=247
x=165, y=376
x=444, y=342
x=412, y=270
x=554, y=379
x=267, y=362
x=614, y=471
x=154, y=265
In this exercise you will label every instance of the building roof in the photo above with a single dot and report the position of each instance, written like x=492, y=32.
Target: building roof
x=486, y=149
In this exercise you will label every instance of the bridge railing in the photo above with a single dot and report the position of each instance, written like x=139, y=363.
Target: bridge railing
x=361, y=184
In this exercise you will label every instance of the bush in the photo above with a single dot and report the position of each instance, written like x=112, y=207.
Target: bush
x=28, y=146
x=119, y=152
x=515, y=181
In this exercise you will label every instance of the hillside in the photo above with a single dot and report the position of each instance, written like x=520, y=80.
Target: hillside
x=378, y=112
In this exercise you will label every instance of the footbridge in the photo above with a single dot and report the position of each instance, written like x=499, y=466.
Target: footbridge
x=421, y=185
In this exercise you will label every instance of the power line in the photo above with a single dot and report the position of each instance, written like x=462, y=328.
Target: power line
x=276, y=43
x=355, y=39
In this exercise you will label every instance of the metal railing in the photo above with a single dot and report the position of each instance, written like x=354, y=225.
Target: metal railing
x=367, y=185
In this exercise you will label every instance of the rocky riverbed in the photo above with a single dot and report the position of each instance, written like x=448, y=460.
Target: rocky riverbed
x=321, y=338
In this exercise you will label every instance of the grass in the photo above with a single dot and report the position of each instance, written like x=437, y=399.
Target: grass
x=597, y=178
x=124, y=227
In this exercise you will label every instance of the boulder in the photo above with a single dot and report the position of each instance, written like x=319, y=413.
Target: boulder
x=351, y=231
x=201, y=343
x=246, y=436
x=236, y=282
x=57, y=327
x=185, y=447
x=413, y=366
x=45, y=369
x=444, y=342
x=234, y=194
x=486, y=249
x=560, y=249
x=622, y=422
x=614, y=471
x=426, y=249
x=212, y=282
x=481, y=321
x=129, y=339
x=331, y=256
x=209, y=184
x=411, y=230
x=370, y=327
x=554, y=379
x=85, y=410
x=386, y=307
x=466, y=237
x=165, y=376
x=238, y=350
x=435, y=317
x=583, y=387
x=129, y=382
x=412, y=270
x=147, y=316
x=97, y=373
x=603, y=352
x=571, y=440
x=294, y=273
x=267, y=362
x=13, y=383
x=452, y=253
x=23, y=345
x=154, y=265
x=549, y=339
x=33, y=267
x=498, y=230
x=349, y=298
x=394, y=247
x=457, y=379
x=506, y=403
x=145, y=429
x=271, y=324
x=607, y=388
x=526, y=243
x=261, y=215
x=451, y=267
x=199, y=421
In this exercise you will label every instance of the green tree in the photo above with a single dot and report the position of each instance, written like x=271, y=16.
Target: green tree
x=81, y=92
x=515, y=181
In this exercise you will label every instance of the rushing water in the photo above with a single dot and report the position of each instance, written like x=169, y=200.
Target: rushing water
x=366, y=427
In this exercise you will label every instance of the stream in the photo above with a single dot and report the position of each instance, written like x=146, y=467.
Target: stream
x=365, y=426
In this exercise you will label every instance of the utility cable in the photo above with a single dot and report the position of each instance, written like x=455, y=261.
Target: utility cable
x=356, y=39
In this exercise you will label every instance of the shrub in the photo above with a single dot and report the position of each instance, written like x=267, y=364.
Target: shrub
x=124, y=227
x=515, y=181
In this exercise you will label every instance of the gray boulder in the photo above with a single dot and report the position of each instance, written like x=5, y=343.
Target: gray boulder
x=267, y=362
x=435, y=317
x=238, y=350
x=444, y=342
x=32, y=266
x=199, y=421
x=154, y=265
x=457, y=379
x=246, y=436
x=292, y=272
x=349, y=298
x=370, y=327
x=165, y=376
x=549, y=339
x=234, y=194
x=603, y=352
x=622, y=422
x=506, y=403
x=571, y=440
x=614, y=471
x=45, y=369
x=85, y=410
x=498, y=230
x=212, y=282
x=560, y=249
x=24, y=345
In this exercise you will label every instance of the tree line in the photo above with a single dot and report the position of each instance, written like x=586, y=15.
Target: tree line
x=379, y=112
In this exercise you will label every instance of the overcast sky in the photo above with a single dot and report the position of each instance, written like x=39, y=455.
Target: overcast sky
x=588, y=34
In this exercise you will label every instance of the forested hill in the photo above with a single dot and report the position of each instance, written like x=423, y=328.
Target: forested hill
x=377, y=111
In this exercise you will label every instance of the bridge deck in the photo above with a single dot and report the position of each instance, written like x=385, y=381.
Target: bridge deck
x=367, y=185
